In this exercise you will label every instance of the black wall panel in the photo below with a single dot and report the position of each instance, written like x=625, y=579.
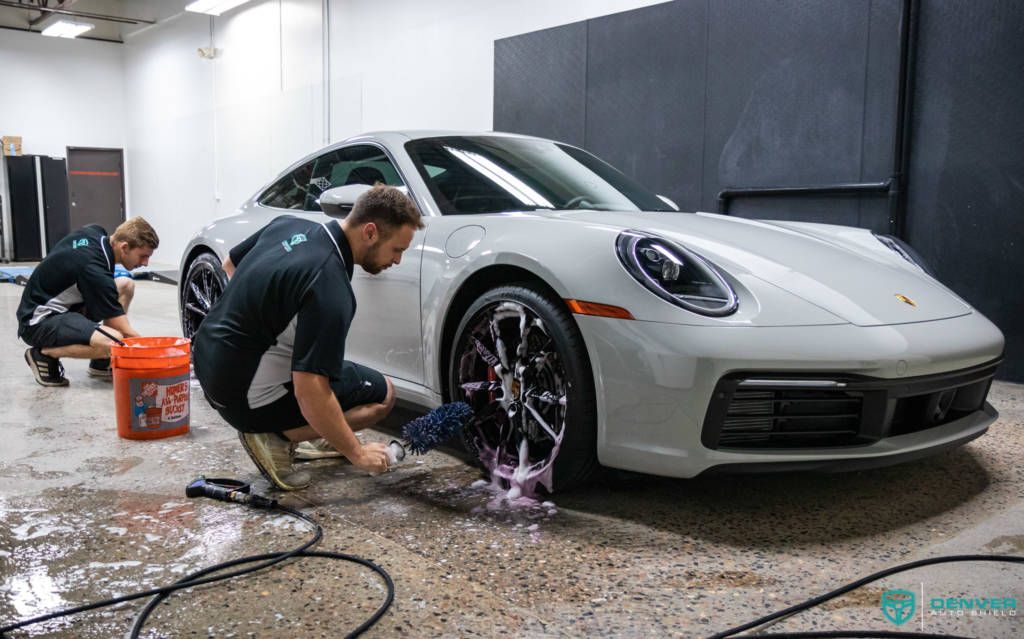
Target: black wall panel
x=786, y=93
x=643, y=112
x=540, y=83
x=694, y=96
x=21, y=183
x=56, y=202
x=966, y=183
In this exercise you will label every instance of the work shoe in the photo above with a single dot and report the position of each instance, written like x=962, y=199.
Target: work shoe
x=48, y=370
x=100, y=368
x=316, y=449
x=273, y=456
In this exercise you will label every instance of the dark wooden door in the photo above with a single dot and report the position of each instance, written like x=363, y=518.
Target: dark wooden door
x=96, y=182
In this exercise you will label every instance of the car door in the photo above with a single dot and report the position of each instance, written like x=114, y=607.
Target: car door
x=385, y=333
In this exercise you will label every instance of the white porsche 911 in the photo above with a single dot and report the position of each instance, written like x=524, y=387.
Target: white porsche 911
x=590, y=323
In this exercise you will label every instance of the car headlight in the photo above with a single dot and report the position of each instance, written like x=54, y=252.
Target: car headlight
x=904, y=250
x=675, y=274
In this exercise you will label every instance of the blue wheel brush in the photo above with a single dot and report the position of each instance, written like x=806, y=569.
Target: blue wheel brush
x=429, y=431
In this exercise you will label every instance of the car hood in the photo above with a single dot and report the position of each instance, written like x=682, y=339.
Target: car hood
x=861, y=285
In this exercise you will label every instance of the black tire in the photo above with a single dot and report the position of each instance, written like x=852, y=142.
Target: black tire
x=558, y=386
x=202, y=285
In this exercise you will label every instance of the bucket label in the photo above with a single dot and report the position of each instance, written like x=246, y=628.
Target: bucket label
x=159, y=404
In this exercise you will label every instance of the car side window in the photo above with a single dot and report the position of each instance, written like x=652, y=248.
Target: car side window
x=289, y=192
x=360, y=164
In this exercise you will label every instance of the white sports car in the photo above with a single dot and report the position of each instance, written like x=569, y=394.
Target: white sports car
x=590, y=323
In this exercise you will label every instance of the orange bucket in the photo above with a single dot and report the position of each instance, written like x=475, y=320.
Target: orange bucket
x=151, y=386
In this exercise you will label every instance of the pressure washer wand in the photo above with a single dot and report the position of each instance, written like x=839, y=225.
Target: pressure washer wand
x=230, y=490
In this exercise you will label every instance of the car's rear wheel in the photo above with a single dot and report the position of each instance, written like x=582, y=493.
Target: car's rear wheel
x=519, y=361
x=203, y=285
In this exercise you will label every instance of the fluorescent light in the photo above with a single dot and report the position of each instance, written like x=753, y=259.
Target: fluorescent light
x=214, y=7
x=67, y=29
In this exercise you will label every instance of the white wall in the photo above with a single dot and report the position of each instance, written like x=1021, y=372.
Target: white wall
x=57, y=93
x=412, y=64
x=204, y=135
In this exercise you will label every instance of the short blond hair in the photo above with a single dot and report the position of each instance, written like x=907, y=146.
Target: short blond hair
x=387, y=207
x=137, y=232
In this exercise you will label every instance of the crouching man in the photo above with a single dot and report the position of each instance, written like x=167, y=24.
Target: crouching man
x=73, y=291
x=270, y=355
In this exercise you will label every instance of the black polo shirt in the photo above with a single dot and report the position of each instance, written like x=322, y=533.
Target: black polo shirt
x=79, y=270
x=288, y=307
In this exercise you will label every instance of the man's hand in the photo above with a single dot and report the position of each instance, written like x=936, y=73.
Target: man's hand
x=321, y=409
x=373, y=458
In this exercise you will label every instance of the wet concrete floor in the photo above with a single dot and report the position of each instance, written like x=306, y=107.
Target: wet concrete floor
x=86, y=515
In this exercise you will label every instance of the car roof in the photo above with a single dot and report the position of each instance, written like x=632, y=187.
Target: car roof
x=401, y=136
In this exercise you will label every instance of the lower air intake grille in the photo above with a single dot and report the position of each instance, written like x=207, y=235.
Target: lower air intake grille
x=751, y=411
x=791, y=418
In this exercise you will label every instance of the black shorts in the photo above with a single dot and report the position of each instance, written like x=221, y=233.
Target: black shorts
x=60, y=329
x=359, y=385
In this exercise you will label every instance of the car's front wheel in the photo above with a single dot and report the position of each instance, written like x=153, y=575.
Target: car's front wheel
x=203, y=285
x=519, y=361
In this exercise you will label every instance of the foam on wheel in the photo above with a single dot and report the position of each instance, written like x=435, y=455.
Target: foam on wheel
x=519, y=361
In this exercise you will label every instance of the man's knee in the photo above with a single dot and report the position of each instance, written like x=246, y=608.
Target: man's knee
x=383, y=409
x=389, y=399
x=125, y=289
x=99, y=339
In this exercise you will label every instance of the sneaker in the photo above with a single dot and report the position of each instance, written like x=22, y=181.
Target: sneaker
x=48, y=370
x=273, y=456
x=100, y=368
x=316, y=449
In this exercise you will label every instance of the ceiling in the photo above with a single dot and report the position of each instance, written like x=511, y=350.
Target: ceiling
x=113, y=19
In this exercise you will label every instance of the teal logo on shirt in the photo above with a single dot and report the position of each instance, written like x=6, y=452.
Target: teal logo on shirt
x=298, y=238
x=79, y=243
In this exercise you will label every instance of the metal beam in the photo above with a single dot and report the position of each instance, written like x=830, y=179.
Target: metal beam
x=77, y=14
x=61, y=4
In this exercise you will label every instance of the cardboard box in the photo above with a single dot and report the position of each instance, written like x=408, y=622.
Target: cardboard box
x=12, y=144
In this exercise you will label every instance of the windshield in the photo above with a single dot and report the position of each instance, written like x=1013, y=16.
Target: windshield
x=495, y=174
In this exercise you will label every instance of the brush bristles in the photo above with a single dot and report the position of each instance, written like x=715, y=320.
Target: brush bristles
x=436, y=427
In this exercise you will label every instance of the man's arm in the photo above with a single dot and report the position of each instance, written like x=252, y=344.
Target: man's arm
x=100, y=296
x=121, y=325
x=236, y=254
x=321, y=409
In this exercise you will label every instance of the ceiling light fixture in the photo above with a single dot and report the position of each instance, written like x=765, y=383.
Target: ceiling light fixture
x=67, y=29
x=214, y=7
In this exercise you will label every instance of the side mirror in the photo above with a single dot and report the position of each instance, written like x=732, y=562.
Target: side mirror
x=338, y=202
x=669, y=202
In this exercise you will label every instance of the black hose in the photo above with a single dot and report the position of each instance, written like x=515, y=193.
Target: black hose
x=197, y=579
x=810, y=603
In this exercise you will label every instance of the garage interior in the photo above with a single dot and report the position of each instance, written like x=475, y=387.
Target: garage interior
x=897, y=116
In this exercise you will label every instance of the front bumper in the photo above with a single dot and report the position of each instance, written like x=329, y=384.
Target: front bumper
x=656, y=382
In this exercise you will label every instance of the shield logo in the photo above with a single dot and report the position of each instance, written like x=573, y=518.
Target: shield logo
x=898, y=605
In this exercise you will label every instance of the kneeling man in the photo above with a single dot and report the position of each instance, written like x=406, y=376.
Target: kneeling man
x=73, y=290
x=270, y=355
